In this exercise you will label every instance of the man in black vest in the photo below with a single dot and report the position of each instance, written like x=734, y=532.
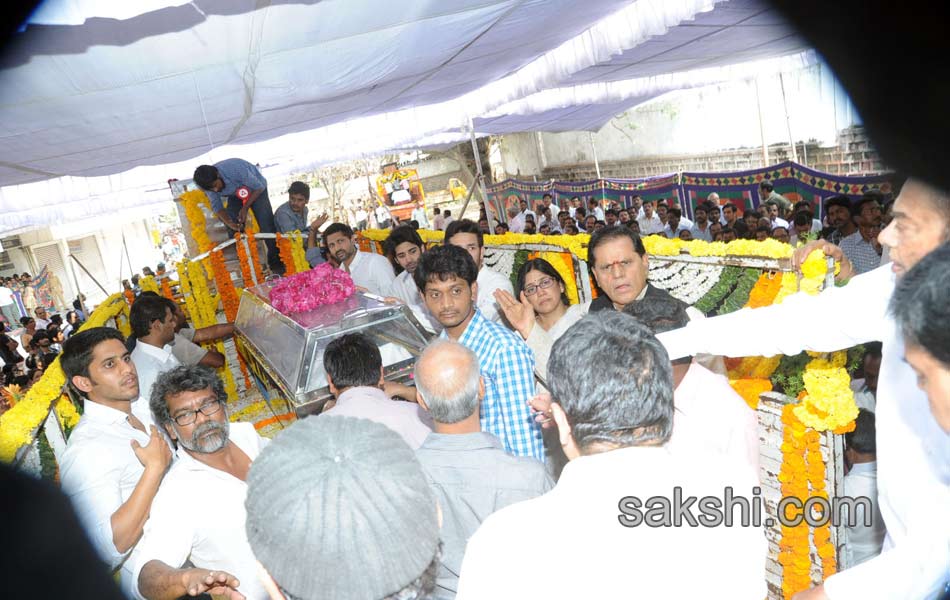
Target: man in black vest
x=620, y=265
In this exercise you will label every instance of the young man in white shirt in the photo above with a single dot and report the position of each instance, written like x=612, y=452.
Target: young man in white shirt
x=198, y=514
x=913, y=452
x=370, y=271
x=614, y=418
x=113, y=463
x=153, y=323
x=405, y=248
x=650, y=222
x=466, y=235
x=419, y=216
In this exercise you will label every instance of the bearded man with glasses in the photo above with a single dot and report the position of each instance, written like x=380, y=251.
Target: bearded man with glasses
x=198, y=514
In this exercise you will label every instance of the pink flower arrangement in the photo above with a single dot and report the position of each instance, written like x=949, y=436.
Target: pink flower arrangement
x=305, y=291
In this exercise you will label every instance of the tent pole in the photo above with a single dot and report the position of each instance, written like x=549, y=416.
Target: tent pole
x=590, y=136
x=480, y=177
x=758, y=104
x=788, y=121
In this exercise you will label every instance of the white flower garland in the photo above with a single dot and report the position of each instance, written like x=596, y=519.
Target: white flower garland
x=687, y=282
x=500, y=260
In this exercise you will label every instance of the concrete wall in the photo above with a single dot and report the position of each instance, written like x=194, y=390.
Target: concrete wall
x=103, y=252
x=715, y=128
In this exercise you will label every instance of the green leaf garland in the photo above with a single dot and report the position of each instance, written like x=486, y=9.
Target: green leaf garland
x=740, y=295
x=727, y=281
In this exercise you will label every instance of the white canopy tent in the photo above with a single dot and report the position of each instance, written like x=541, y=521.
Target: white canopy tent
x=101, y=102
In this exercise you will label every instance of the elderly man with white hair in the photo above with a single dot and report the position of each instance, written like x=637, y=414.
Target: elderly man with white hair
x=468, y=469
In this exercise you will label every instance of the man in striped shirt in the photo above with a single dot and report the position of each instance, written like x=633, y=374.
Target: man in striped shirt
x=446, y=276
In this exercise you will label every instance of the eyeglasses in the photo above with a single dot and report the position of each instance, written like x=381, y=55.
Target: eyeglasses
x=543, y=284
x=207, y=409
x=608, y=269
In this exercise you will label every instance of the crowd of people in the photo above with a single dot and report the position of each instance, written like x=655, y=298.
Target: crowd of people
x=499, y=473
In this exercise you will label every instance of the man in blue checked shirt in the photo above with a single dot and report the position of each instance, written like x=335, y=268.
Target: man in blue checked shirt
x=226, y=179
x=446, y=276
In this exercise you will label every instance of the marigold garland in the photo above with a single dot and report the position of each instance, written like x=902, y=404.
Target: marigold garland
x=203, y=308
x=148, y=284
x=298, y=253
x=765, y=290
x=793, y=477
x=225, y=285
x=191, y=201
x=167, y=289
x=286, y=254
x=247, y=257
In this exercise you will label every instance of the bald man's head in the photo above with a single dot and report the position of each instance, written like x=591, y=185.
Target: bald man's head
x=447, y=378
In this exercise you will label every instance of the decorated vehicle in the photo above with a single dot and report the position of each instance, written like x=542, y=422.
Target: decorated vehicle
x=400, y=189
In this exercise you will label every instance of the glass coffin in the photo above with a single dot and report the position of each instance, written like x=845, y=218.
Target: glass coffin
x=288, y=350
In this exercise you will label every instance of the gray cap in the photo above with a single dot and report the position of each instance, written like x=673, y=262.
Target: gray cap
x=339, y=508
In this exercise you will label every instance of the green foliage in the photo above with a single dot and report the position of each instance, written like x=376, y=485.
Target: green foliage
x=521, y=257
x=787, y=378
x=48, y=466
x=727, y=281
x=740, y=295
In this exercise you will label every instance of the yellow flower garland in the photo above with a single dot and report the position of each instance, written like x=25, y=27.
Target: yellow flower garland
x=148, y=284
x=191, y=201
x=202, y=306
x=297, y=252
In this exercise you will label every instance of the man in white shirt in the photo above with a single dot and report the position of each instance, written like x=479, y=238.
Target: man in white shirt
x=419, y=216
x=526, y=210
x=594, y=208
x=405, y=248
x=438, y=221
x=650, y=221
x=673, y=223
x=41, y=321
x=354, y=370
x=547, y=201
x=465, y=234
x=113, y=462
x=866, y=536
x=370, y=271
x=198, y=514
x=774, y=217
x=913, y=452
x=614, y=418
x=153, y=323
x=515, y=220
x=383, y=217
x=448, y=220
x=710, y=418
x=362, y=218
x=8, y=305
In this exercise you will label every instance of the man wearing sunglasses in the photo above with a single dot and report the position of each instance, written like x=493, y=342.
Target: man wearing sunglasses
x=198, y=514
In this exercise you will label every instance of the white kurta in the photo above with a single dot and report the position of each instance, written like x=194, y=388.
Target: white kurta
x=198, y=515
x=512, y=554
x=372, y=272
x=913, y=452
